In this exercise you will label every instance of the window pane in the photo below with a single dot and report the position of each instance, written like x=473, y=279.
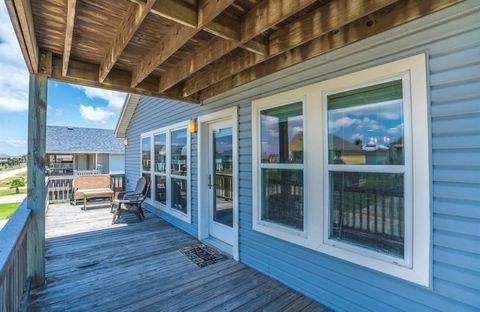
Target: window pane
x=160, y=141
x=223, y=177
x=161, y=189
x=179, y=194
x=367, y=210
x=146, y=154
x=179, y=152
x=282, y=134
x=147, y=177
x=282, y=197
x=365, y=126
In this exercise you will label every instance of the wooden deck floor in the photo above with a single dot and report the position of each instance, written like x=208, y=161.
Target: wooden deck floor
x=132, y=266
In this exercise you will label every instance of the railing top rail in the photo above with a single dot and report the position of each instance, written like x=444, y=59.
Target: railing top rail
x=12, y=232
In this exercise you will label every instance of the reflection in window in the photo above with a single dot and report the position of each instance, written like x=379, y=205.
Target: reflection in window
x=367, y=209
x=146, y=154
x=365, y=125
x=160, y=149
x=282, y=134
x=179, y=194
x=178, y=152
x=161, y=189
x=148, y=178
x=282, y=197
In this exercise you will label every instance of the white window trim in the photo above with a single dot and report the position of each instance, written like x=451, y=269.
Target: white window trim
x=416, y=265
x=186, y=217
x=405, y=169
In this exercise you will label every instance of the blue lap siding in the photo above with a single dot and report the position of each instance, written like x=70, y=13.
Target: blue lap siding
x=451, y=39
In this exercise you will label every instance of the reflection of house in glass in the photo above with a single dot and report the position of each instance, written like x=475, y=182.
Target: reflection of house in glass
x=379, y=154
x=224, y=162
x=345, y=152
x=295, y=148
x=372, y=153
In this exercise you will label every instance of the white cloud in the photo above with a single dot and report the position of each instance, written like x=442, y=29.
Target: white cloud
x=14, y=75
x=15, y=142
x=95, y=114
x=115, y=99
x=343, y=122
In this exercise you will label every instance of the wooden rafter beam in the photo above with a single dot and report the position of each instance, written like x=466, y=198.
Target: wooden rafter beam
x=20, y=12
x=326, y=18
x=387, y=18
x=263, y=16
x=86, y=74
x=176, y=37
x=67, y=47
x=180, y=13
x=129, y=26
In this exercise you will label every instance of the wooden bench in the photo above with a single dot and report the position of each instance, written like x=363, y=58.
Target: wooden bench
x=92, y=186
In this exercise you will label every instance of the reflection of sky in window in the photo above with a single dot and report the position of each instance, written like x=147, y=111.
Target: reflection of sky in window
x=379, y=122
x=223, y=141
x=270, y=132
x=146, y=144
x=160, y=143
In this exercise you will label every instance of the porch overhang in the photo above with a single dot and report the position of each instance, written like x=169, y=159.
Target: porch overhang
x=192, y=50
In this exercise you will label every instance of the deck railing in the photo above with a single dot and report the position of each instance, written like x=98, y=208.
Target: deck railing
x=14, y=280
x=60, y=187
x=224, y=185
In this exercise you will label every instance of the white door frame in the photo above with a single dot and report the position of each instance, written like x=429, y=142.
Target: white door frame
x=202, y=156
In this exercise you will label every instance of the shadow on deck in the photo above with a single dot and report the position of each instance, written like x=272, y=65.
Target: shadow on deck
x=132, y=266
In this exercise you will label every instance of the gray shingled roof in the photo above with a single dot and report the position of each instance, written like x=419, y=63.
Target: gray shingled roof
x=82, y=140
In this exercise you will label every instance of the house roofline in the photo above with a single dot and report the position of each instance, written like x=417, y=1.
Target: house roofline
x=126, y=114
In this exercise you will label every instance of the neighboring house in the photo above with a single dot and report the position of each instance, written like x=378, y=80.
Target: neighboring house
x=333, y=224
x=74, y=148
x=4, y=158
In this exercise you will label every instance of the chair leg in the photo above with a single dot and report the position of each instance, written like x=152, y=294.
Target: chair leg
x=116, y=214
x=139, y=216
x=141, y=212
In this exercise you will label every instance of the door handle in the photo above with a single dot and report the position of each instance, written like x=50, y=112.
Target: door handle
x=210, y=181
x=210, y=184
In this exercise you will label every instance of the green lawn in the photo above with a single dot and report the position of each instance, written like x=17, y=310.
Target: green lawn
x=9, y=191
x=6, y=182
x=6, y=210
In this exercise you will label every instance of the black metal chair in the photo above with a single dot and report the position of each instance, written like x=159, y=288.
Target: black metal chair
x=131, y=201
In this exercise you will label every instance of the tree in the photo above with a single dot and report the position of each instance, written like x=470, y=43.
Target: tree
x=17, y=183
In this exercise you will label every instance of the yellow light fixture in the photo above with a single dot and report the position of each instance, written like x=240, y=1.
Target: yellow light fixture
x=125, y=142
x=192, y=125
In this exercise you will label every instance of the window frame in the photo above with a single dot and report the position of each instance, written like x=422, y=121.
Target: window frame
x=405, y=169
x=268, y=227
x=186, y=217
x=415, y=266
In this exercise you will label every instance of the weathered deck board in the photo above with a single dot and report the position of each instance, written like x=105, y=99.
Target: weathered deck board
x=131, y=266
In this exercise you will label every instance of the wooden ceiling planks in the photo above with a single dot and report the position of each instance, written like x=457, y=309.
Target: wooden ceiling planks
x=194, y=49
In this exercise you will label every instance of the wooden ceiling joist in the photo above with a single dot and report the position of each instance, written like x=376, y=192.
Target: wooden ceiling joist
x=377, y=22
x=192, y=50
x=327, y=18
x=132, y=22
x=176, y=11
x=86, y=74
x=176, y=37
x=20, y=12
x=67, y=47
x=263, y=16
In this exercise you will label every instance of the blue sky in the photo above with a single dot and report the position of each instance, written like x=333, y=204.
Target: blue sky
x=68, y=105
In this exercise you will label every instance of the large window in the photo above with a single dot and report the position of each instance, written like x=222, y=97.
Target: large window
x=342, y=167
x=366, y=167
x=146, y=160
x=282, y=165
x=169, y=170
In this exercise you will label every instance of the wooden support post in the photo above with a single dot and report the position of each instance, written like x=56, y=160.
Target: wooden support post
x=37, y=121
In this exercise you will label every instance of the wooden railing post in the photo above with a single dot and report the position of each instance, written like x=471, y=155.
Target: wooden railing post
x=37, y=120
